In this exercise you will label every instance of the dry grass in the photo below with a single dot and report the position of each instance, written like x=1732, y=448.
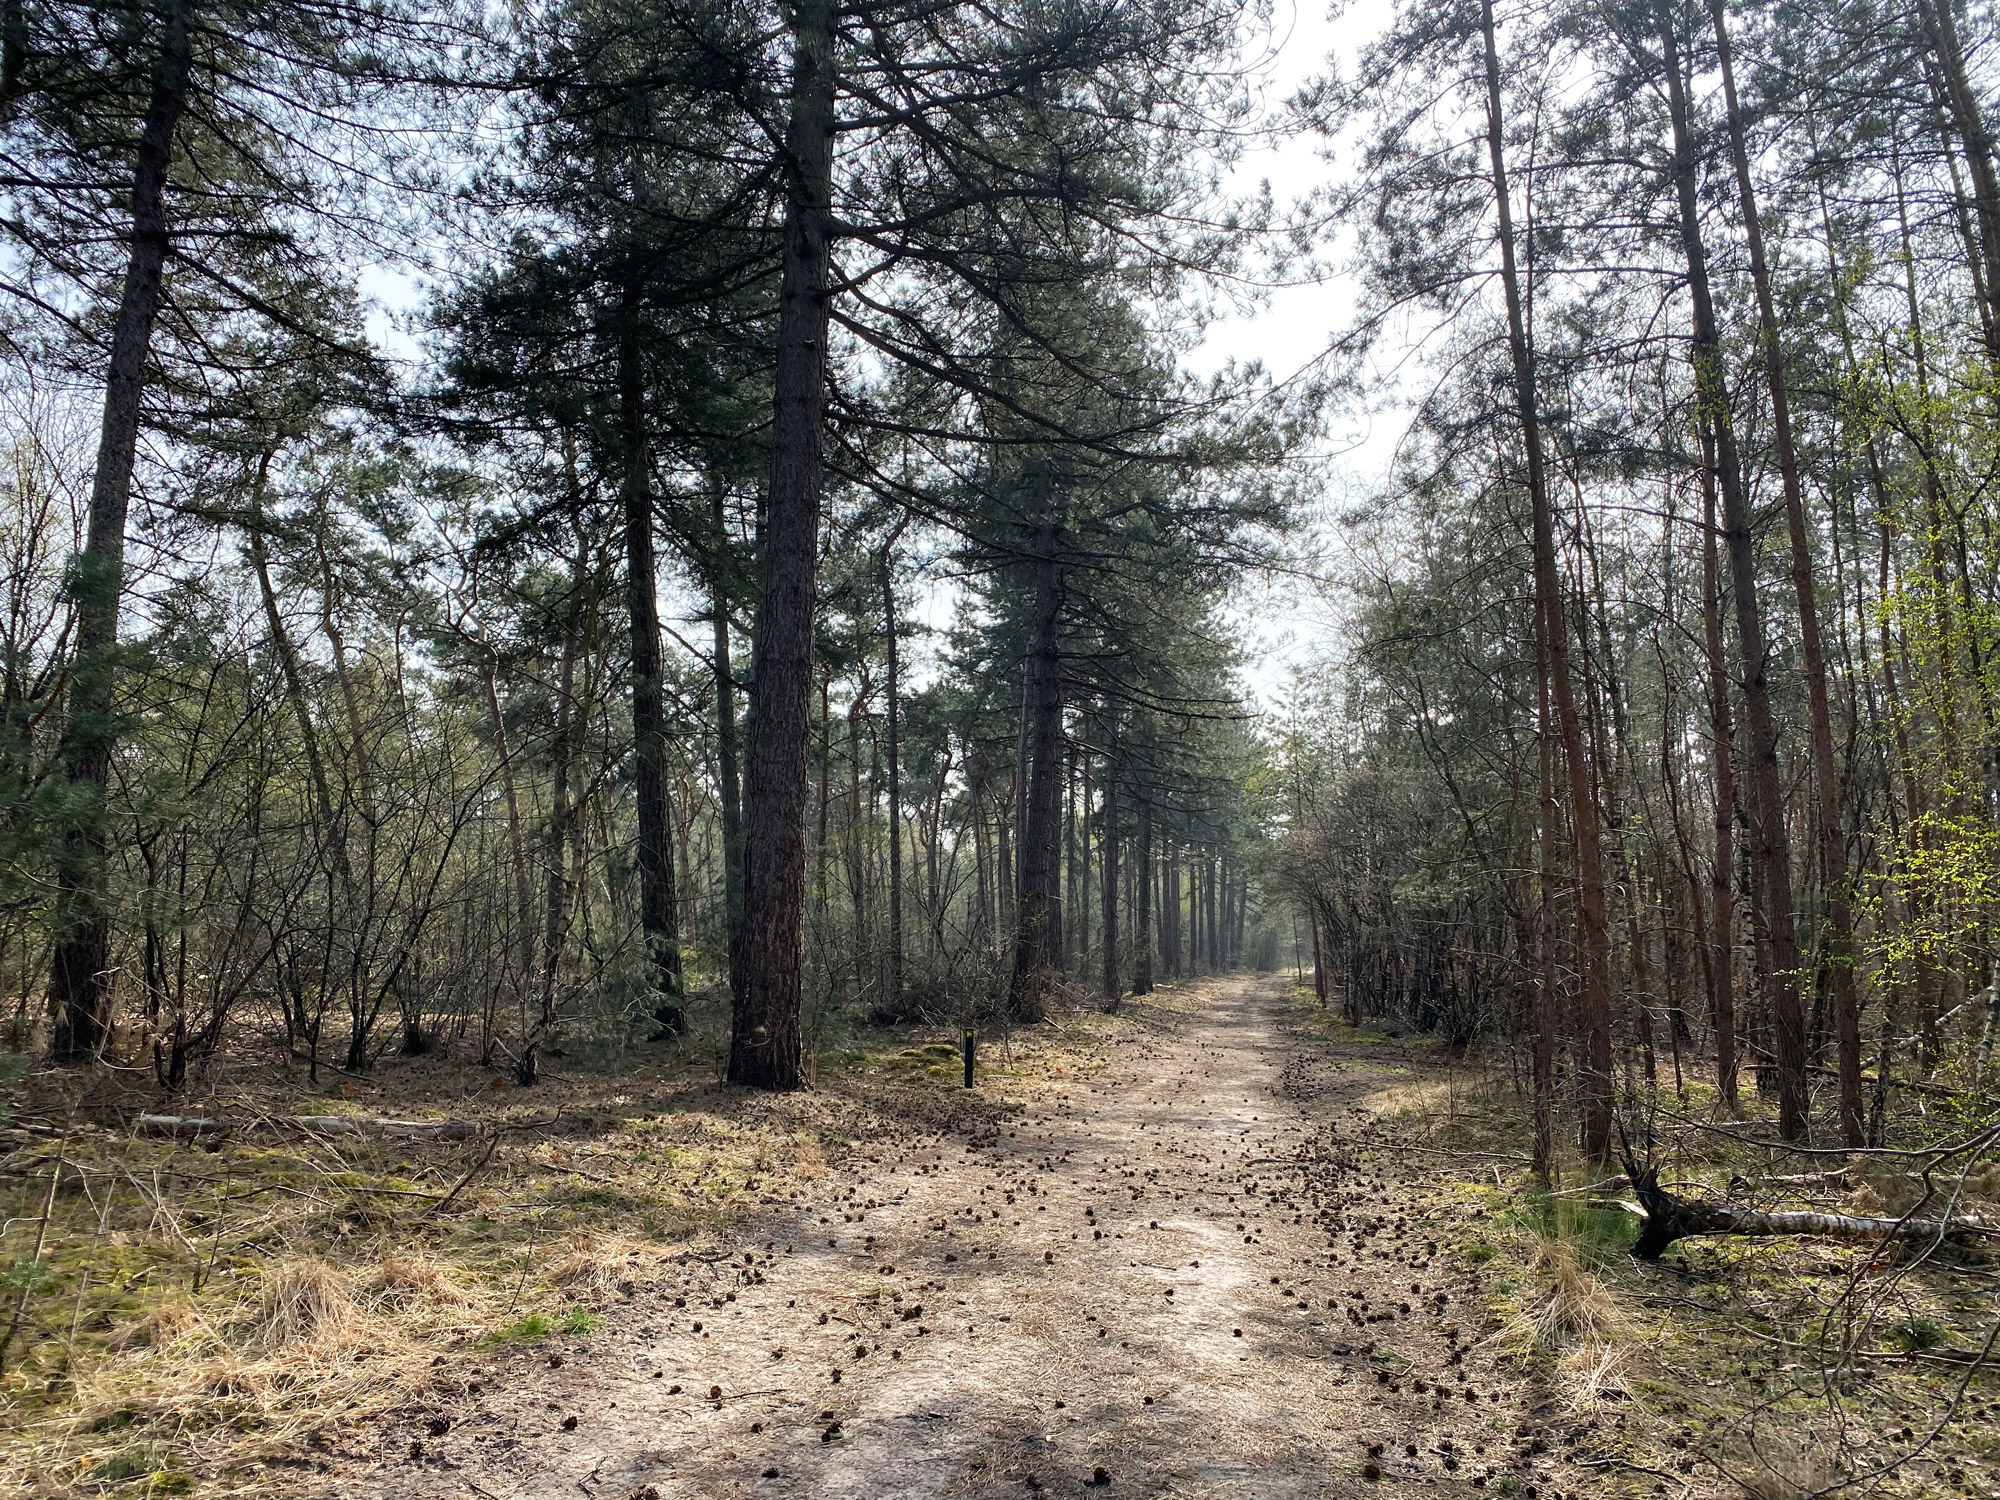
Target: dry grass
x=217, y=1303
x=1779, y=1467
x=1579, y=1309
x=303, y=1301
x=1592, y=1374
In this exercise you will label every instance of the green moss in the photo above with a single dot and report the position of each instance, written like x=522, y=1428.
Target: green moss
x=131, y=1463
x=1916, y=1333
x=536, y=1325
x=576, y=1323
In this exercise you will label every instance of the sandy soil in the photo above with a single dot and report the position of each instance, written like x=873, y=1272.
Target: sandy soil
x=1204, y=1270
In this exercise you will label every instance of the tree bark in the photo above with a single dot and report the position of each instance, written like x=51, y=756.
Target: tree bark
x=1722, y=871
x=1595, y=992
x=1669, y=1217
x=728, y=763
x=565, y=821
x=857, y=881
x=1319, y=958
x=1114, y=984
x=1792, y=1099
x=765, y=1041
x=1212, y=915
x=1770, y=852
x=1547, y=1000
x=1035, y=906
x=659, y=903
x=1970, y=121
x=1142, y=916
x=80, y=978
x=895, y=774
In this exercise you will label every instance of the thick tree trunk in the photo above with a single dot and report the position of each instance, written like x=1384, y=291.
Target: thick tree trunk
x=765, y=1041
x=1594, y=997
x=80, y=972
x=1041, y=702
x=1826, y=771
x=659, y=903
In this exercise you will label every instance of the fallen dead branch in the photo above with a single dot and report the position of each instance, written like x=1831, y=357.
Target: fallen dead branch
x=1669, y=1217
x=191, y=1127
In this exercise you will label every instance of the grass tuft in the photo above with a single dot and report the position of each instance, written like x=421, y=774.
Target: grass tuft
x=303, y=1301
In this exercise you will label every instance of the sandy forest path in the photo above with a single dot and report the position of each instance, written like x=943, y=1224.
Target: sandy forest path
x=1200, y=1271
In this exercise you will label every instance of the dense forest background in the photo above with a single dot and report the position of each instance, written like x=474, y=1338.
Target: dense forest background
x=1664, y=735
x=361, y=706
x=786, y=570
x=589, y=589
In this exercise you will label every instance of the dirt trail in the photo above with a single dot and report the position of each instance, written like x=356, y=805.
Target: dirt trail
x=1157, y=1280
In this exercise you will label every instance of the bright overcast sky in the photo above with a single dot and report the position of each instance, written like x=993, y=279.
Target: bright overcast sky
x=1285, y=622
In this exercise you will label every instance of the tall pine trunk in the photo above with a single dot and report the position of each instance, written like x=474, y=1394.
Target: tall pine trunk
x=1547, y=1000
x=1969, y=119
x=895, y=774
x=728, y=745
x=1142, y=916
x=1722, y=869
x=659, y=903
x=765, y=1041
x=80, y=978
x=1826, y=770
x=1113, y=978
x=1770, y=852
x=1595, y=993
x=1041, y=710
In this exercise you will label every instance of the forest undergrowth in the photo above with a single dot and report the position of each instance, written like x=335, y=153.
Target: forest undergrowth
x=1773, y=1367
x=185, y=1305
x=188, y=1312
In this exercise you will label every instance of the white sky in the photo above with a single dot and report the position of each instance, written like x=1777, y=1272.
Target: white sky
x=1284, y=622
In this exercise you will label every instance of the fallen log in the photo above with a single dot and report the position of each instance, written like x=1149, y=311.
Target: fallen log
x=441, y=1130
x=190, y=1127
x=1668, y=1217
